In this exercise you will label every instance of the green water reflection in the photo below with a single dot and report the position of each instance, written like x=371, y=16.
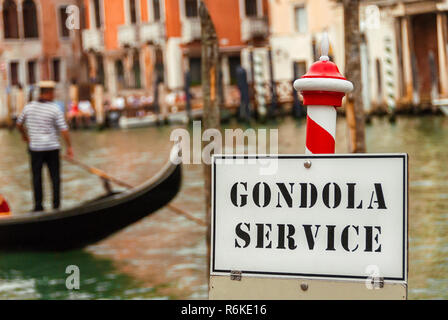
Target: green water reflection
x=136, y=155
x=43, y=276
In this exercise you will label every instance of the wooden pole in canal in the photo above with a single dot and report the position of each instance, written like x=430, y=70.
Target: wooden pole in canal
x=211, y=116
x=354, y=104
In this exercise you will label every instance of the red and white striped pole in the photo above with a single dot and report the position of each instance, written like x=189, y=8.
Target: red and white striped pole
x=322, y=88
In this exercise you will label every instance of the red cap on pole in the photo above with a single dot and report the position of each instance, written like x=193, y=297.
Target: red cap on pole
x=323, y=84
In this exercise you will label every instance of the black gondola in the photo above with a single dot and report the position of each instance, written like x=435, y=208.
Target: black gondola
x=92, y=221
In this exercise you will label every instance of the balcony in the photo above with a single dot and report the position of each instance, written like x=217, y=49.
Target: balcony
x=253, y=28
x=128, y=35
x=92, y=40
x=191, y=30
x=153, y=33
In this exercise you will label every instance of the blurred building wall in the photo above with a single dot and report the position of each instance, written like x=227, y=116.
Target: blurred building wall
x=417, y=31
x=165, y=36
x=31, y=54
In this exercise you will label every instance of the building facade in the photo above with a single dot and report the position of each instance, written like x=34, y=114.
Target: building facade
x=132, y=44
x=37, y=44
x=403, y=49
x=296, y=30
x=419, y=32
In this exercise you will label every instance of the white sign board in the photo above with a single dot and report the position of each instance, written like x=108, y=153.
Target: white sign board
x=310, y=216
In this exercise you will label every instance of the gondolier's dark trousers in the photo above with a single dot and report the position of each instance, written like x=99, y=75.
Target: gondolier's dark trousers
x=51, y=159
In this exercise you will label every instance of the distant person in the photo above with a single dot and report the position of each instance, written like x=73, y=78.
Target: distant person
x=43, y=122
x=86, y=111
x=119, y=103
x=20, y=101
x=73, y=115
x=4, y=207
x=243, y=87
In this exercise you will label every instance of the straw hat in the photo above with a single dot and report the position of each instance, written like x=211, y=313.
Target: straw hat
x=47, y=84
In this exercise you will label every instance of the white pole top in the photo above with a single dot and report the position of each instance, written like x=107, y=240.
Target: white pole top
x=324, y=47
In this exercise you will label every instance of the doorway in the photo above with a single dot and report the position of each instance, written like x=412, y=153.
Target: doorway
x=424, y=35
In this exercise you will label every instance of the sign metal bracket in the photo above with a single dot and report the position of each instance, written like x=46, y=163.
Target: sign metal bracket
x=377, y=282
x=235, y=275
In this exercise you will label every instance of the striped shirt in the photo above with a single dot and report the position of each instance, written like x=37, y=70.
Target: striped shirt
x=43, y=121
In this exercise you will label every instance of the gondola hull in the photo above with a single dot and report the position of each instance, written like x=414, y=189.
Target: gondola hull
x=91, y=222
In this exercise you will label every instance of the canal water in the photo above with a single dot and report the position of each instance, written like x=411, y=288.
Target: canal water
x=164, y=255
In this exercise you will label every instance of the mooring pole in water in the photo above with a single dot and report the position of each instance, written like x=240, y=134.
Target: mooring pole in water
x=323, y=88
x=211, y=115
x=259, y=89
x=297, y=107
x=389, y=78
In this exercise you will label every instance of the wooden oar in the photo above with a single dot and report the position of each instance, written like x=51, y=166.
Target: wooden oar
x=98, y=172
x=103, y=175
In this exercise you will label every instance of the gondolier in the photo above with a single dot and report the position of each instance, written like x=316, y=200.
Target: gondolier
x=84, y=224
x=44, y=122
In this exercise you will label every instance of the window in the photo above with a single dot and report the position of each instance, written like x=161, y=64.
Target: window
x=251, y=8
x=14, y=73
x=30, y=19
x=133, y=11
x=300, y=19
x=119, y=70
x=31, y=72
x=159, y=64
x=63, y=16
x=10, y=20
x=234, y=62
x=195, y=71
x=100, y=78
x=56, y=64
x=191, y=8
x=299, y=69
x=82, y=17
x=156, y=8
x=137, y=84
x=98, y=22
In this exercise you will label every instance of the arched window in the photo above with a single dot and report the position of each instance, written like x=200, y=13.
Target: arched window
x=251, y=8
x=133, y=11
x=191, y=8
x=10, y=20
x=97, y=9
x=30, y=19
x=156, y=10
